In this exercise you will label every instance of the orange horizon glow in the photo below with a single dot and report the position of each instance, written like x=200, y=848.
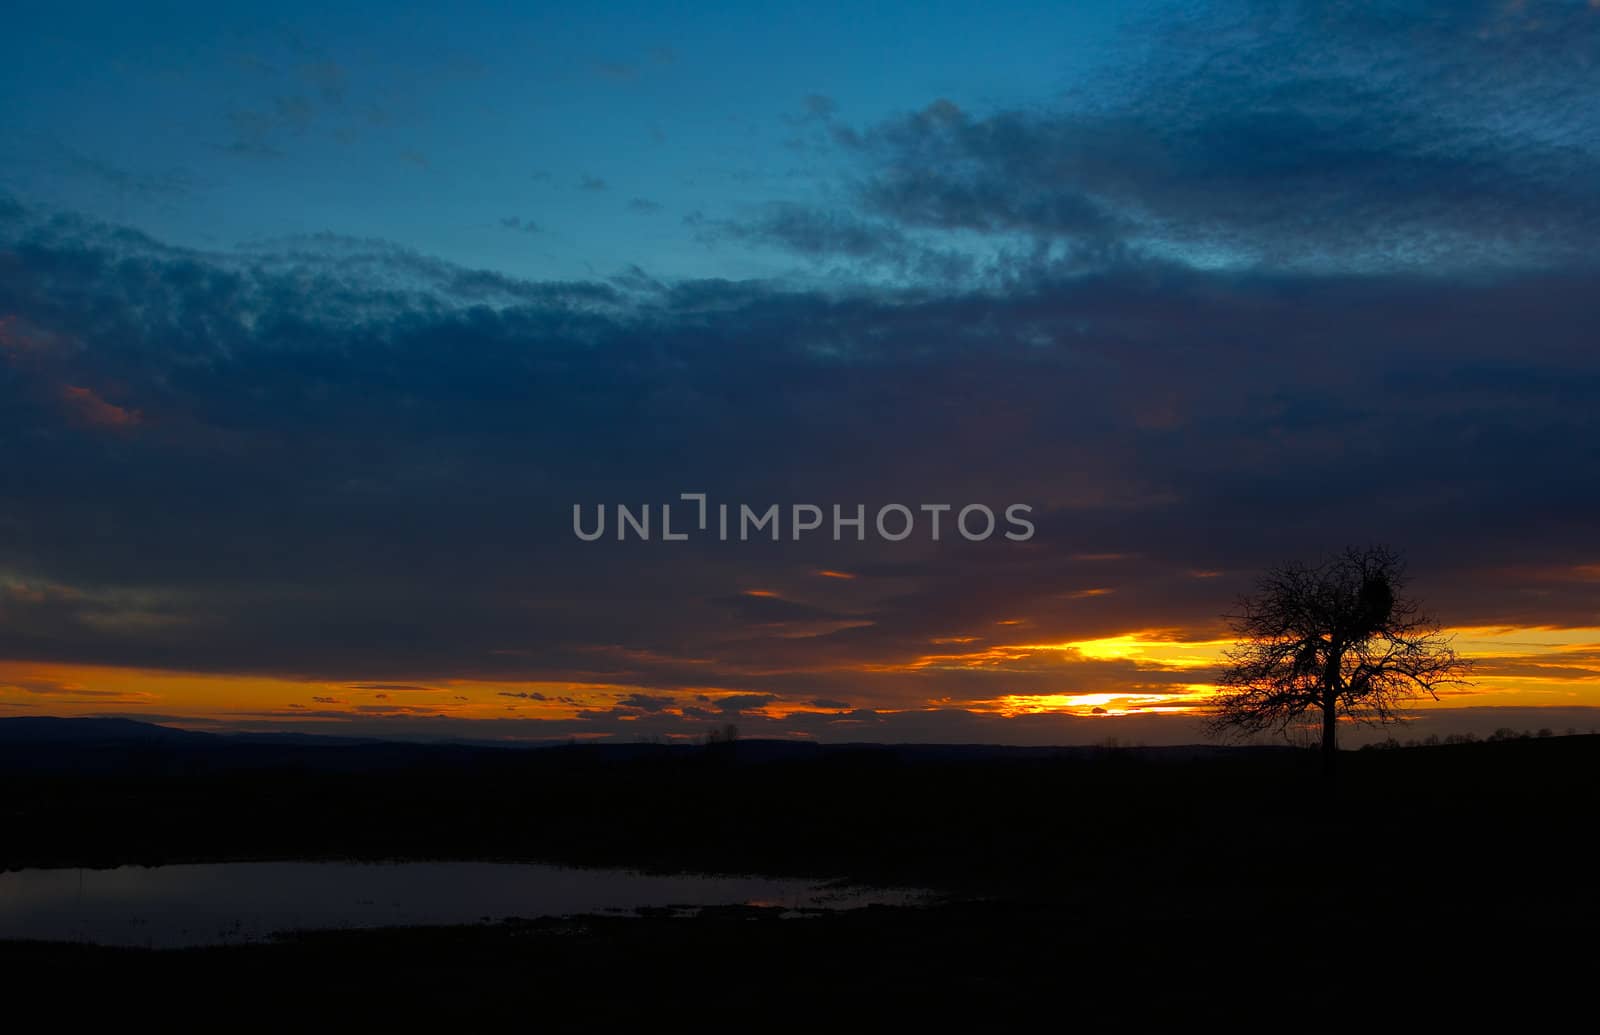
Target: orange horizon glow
x=1528, y=667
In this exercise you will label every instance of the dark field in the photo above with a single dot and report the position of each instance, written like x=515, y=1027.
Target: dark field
x=1119, y=887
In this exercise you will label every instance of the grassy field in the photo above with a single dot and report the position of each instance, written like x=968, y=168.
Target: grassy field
x=1122, y=886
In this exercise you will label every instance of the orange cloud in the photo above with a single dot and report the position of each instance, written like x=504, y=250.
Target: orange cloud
x=89, y=407
x=1137, y=673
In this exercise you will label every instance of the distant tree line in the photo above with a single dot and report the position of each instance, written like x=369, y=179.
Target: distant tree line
x=1504, y=733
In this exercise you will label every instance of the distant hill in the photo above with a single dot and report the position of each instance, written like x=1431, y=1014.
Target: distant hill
x=43, y=743
x=54, y=730
x=44, y=729
x=54, y=743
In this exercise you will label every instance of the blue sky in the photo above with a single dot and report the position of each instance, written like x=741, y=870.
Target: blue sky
x=605, y=127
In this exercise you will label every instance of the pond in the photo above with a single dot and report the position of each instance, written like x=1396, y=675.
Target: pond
x=222, y=903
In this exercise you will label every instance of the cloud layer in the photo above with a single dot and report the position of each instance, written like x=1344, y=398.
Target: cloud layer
x=1309, y=282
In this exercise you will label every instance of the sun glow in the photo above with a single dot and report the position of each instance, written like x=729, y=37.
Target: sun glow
x=1135, y=673
x=1151, y=646
x=1147, y=649
x=1179, y=699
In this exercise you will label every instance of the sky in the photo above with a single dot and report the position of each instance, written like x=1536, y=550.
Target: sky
x=316, y=326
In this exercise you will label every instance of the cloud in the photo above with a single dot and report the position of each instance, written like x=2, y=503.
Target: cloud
x=817, y=232
x=1316, y=136
x=378, y=453
x=65, y=691
x=832, y=235
x=644, y=702
x=88, y=406
x=737, y=704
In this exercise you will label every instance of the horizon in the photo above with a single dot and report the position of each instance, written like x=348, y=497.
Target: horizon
x=1389, y=736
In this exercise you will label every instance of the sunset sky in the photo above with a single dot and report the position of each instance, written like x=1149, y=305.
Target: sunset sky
x=314, y=327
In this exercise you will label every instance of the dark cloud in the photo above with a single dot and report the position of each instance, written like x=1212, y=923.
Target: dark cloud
x=811, y=231
x=832, y=235
x=738, y=704
x=378, y=454
x=1321, y=136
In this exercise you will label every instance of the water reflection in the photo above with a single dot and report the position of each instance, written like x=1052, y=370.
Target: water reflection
x=220, y=903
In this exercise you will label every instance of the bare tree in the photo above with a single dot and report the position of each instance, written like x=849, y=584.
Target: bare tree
x=1335, y=638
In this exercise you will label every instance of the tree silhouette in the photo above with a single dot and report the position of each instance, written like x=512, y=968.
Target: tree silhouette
x=1335, y=638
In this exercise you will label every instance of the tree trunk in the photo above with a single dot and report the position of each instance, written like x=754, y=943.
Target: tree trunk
x=1330, y=731
x=1330, y=707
